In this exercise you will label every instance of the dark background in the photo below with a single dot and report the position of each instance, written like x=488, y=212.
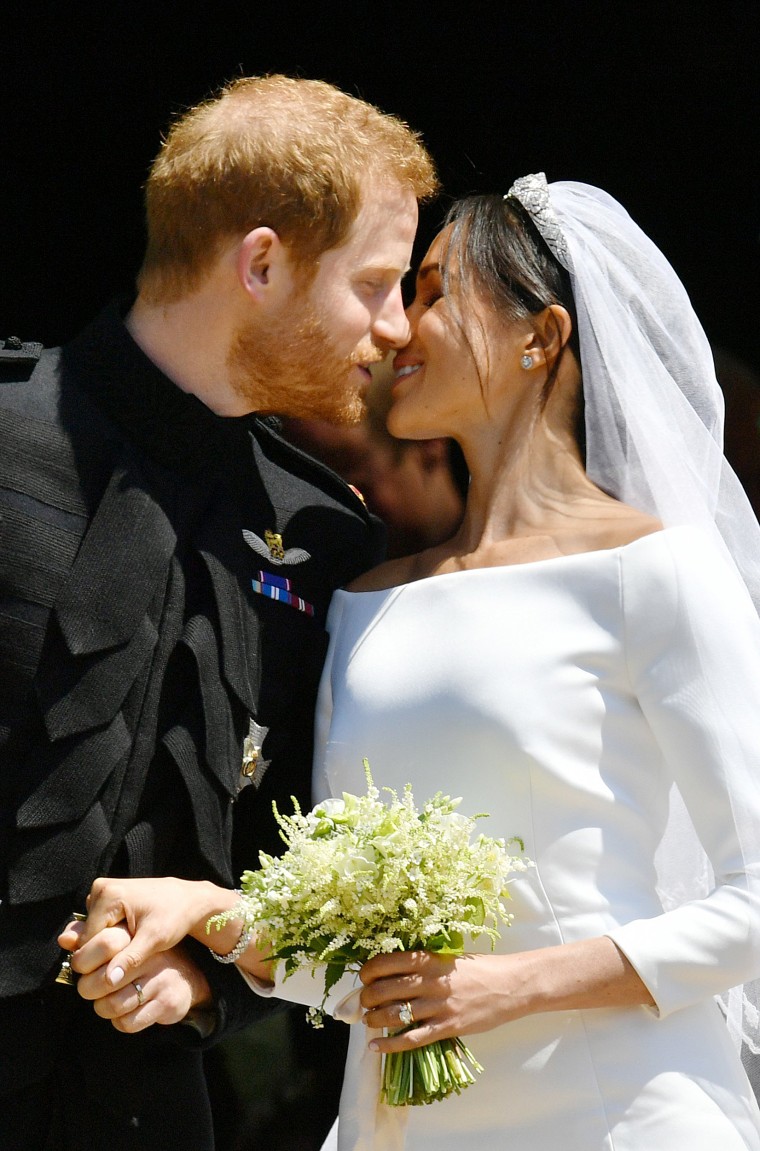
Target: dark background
x=655, y=101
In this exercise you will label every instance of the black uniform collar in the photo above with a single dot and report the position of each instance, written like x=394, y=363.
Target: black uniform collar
x=173, y=427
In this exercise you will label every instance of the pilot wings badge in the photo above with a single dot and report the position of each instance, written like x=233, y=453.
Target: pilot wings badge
x=271, y=546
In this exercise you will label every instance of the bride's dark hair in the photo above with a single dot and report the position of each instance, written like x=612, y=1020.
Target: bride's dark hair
x=499, y=255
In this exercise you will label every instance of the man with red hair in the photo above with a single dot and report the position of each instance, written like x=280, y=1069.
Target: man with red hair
x=166, y=564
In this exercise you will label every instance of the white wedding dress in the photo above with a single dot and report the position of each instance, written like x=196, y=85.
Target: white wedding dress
x=565, y=697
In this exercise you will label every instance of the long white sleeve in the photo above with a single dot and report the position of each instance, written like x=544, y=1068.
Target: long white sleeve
x=693, y=646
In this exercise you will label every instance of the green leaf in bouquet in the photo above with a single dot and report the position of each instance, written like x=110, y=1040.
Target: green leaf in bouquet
x=444, y=943
x=333, y=972
x=475, y=911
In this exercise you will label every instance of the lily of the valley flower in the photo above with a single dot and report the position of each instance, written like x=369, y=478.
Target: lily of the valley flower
x=367, y=875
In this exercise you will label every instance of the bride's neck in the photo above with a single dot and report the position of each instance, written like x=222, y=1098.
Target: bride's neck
x=523, y=485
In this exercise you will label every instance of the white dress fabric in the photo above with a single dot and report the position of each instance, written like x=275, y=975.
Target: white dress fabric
x=565, y=698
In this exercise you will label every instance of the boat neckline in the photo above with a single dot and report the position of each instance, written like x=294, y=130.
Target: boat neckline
x=550, y=560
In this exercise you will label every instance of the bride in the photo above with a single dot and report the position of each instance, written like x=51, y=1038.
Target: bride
x=582, y=661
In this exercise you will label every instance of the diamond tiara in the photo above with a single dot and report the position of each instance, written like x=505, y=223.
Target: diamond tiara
x=533, y=193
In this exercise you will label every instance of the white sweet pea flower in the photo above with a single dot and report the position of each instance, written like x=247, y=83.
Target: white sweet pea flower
x=329, y=809
x=387, y=845
x=355, y=865
x=455, y=822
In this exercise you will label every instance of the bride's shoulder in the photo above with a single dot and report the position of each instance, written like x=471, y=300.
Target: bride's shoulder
x=392, y=573
x=623, y=525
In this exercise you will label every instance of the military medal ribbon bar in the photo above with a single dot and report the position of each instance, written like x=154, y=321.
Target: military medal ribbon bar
x=279, y=588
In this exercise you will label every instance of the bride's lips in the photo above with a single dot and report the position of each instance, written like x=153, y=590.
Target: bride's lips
x=403, y=369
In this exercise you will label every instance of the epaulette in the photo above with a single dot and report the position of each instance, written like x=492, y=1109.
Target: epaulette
x=14, y=350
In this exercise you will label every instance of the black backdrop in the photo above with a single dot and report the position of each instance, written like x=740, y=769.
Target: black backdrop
x=656, y=101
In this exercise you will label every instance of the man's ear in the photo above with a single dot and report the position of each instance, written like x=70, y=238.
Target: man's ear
x=262, y=263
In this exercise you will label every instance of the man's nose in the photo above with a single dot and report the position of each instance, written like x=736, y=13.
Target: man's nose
x=391, y=325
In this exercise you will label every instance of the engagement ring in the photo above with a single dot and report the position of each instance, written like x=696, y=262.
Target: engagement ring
x=405, y=1014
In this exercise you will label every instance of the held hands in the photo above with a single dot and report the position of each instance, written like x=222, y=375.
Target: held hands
x=164, y=989
x=157, y=914
x=129, y=942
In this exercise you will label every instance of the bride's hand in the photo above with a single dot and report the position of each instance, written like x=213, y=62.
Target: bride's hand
x=474, y=993
x=157, y=913
x=447, y=996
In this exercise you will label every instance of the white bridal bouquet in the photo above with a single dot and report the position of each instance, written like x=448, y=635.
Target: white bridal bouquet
x=362, y=876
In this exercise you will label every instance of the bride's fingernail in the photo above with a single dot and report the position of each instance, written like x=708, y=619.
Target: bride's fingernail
x=116, y=975
x=373, y=1046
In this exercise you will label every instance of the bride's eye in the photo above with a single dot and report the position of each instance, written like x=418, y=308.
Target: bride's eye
x=431, y=298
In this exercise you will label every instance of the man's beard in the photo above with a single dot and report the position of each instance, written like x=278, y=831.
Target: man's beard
x=290, y=367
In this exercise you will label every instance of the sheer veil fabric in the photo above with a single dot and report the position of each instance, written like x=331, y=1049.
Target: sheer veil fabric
x=654, y=427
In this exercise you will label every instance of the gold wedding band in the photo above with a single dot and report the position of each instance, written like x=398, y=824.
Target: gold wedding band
x=405, y=1014
x=140, y=993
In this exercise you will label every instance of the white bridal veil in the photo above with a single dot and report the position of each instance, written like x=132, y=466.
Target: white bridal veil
x=654, y=426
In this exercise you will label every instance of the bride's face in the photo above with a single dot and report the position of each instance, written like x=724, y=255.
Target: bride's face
x=448, y=376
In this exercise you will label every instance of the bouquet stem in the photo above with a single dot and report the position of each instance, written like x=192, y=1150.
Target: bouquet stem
x=425, y=1074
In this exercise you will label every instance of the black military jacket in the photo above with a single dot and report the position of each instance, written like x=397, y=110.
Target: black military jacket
x=164, y=579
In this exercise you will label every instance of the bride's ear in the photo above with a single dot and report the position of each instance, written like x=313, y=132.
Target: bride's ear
x=551, y=331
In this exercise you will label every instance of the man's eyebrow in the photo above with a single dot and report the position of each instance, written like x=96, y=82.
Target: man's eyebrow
x=383, y=270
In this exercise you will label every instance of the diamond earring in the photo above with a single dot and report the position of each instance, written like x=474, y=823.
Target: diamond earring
x=526, y=361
